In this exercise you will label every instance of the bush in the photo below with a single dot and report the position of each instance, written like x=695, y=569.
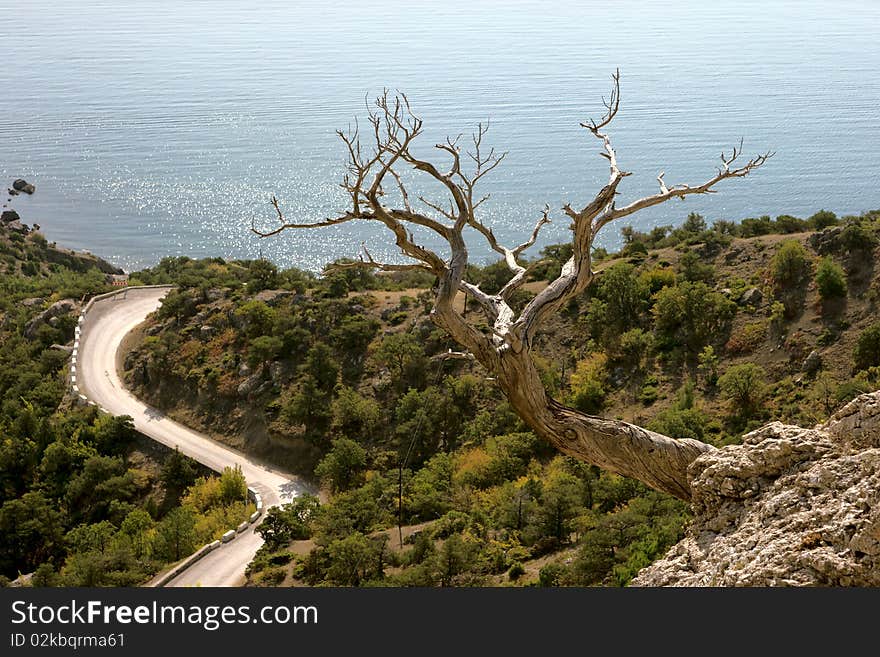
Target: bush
x=855, y=237
x=588, y=384
x=830, y=280
x=747, y=339
x=692, y=315
x=693, y=268
x=708, y=365
x=745, y=387
x=264, y=349
x=822, y=219
x=790, y=265
x=867, y=350
x=516, y=571
x=343, y=466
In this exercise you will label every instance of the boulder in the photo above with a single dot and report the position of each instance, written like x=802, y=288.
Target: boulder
x=18, y=227
x=276, y=372
x=31, y=302
x=812, y=363
x=24, y=186
x=751, y=297
x=826, y=241
x=215, y=294
x=57, y=309
x=249, y=385
x=207, y=331
x=9, y=216
x=790, y=506
x=273, y=297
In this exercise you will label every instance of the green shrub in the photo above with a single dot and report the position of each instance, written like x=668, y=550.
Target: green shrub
x=822, y=219
x=692, y=315
x=649, y=395
x=867, y=350
x=790, y=265
x=830, y=279
x=588, y=384
x=516, y=571
x=745, y=387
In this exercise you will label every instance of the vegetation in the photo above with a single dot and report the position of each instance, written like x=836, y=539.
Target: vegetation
x=360, y=379
x=82, y=503
x=351, y=367
x=830, y=280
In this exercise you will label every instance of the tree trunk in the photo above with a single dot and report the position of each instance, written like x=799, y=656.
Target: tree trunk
x=656, y=460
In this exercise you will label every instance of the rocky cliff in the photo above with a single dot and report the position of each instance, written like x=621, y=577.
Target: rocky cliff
x=789, y=506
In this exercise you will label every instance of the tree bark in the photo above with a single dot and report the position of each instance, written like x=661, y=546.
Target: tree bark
x=659, y=461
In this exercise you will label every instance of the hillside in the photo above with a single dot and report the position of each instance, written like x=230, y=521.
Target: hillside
x=695, y=332
x=84, y=499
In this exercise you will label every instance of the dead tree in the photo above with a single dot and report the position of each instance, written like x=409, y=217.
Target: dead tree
x=374, y=175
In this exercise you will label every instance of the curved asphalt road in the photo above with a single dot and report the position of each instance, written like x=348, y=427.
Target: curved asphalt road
x=104, y=328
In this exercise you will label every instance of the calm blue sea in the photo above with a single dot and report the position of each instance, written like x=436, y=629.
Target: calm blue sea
x=156, y=128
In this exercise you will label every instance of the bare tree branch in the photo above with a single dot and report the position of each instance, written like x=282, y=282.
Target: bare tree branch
x=505, y=349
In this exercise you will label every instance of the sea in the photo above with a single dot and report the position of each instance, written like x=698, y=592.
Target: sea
x=154, y=128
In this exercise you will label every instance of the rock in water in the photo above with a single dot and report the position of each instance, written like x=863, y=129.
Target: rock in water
x=788, y=507
x=8, y=216
x=21, y=185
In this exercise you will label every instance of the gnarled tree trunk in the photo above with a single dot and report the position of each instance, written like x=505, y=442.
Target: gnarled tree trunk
x=505, y=350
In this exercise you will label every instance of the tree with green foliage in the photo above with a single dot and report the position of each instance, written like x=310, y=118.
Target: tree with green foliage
x=589, y=383
x=745, y=387
x=619, y=297
x=351, y=560
x=790, y=265
x=560, y=503
x=103, y=480
x=264, y=349
x=343, y=466
x=256, y=318
x=694, y=268
x=822, y=219
x=321, y=367
x=233, y=487
x=178, y=473
x=691, y=315
x=356, y=416
x=113, y=433
x=31, y=532
x=289, y=522
x=454, y=558
x=136, y=528
x=264, y=276
x=403, y=355
x=176, y=533
x=708, y=365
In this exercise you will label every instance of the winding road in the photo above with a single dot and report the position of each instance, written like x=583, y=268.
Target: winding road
x=103, y=329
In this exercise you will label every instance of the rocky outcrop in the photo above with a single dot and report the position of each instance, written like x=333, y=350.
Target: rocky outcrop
x=273, y=297
x=751, y=297
x=788, y=507
x=8, y=216
x=812, y=363
x=54, y=311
